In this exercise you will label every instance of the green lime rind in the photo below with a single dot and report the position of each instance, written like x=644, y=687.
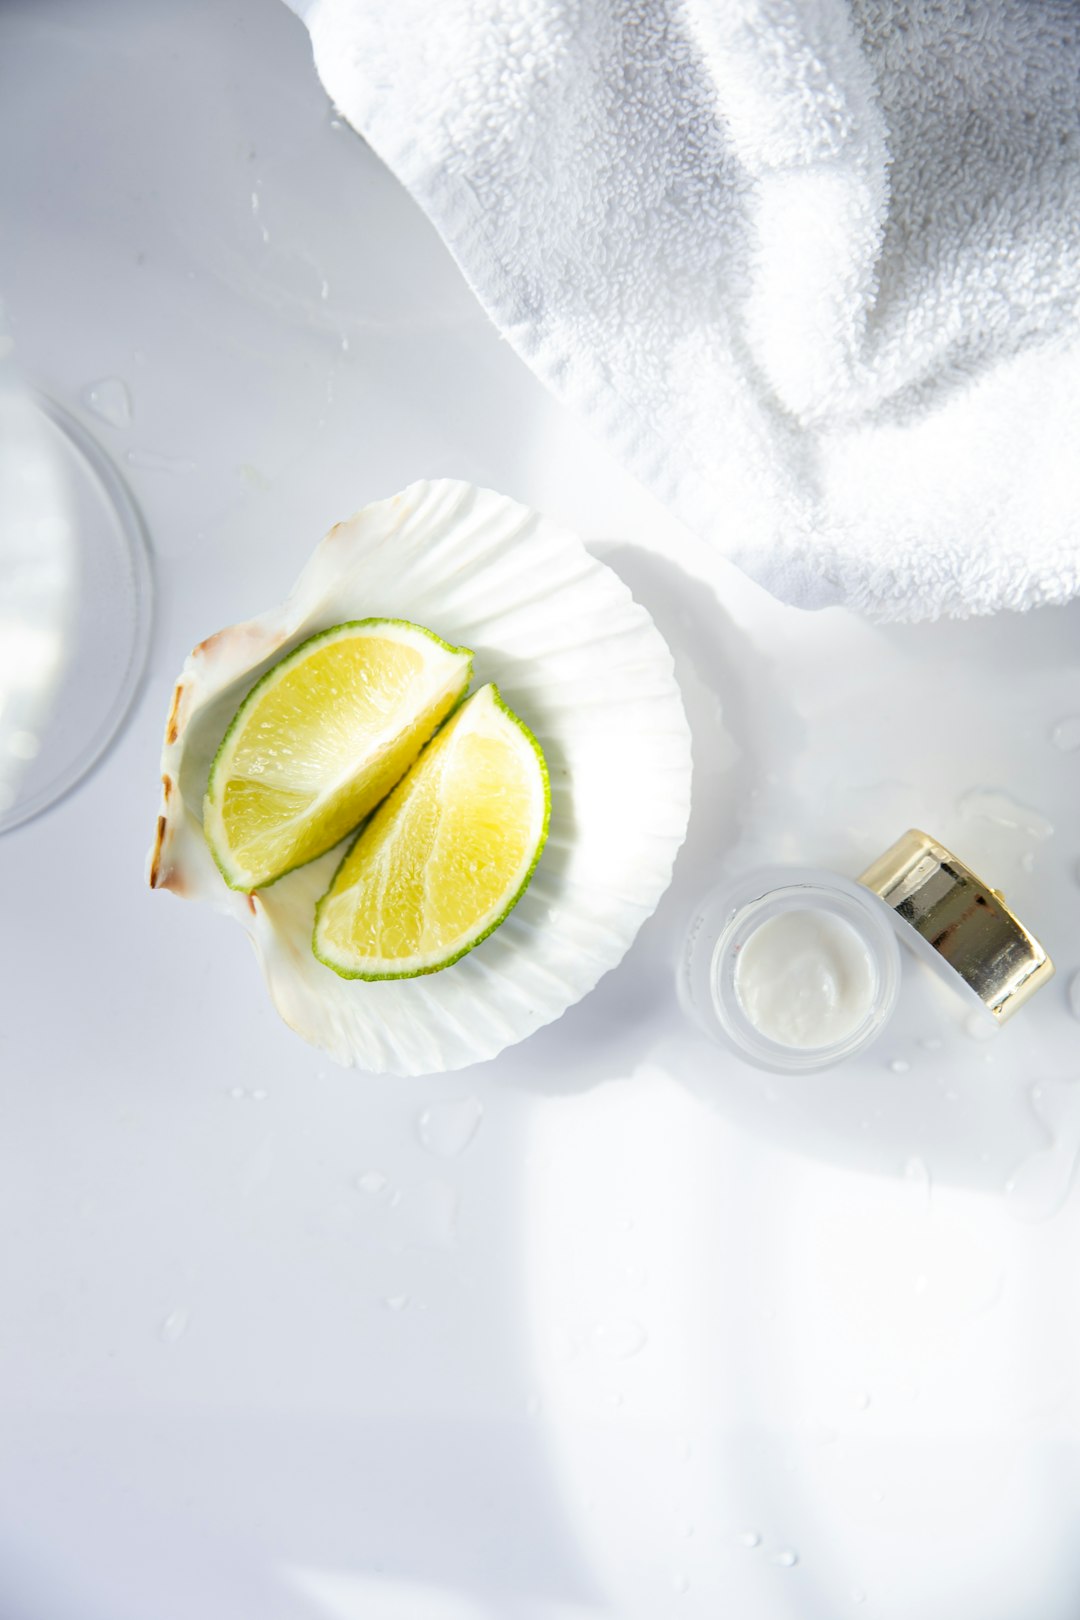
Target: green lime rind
x=274, y=673
x=470, y=945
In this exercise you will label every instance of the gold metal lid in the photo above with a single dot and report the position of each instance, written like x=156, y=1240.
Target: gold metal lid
x=959, y=921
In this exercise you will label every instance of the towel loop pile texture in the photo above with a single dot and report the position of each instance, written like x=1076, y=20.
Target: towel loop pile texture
x=811, y=267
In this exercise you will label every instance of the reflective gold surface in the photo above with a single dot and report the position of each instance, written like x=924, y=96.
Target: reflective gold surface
x=964, y=921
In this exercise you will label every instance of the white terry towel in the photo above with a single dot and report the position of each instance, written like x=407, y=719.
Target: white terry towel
x=811, y=266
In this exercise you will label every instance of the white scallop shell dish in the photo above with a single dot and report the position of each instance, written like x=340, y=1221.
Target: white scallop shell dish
x=586, y=669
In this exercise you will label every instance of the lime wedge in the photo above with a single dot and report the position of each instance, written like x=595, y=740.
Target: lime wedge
x=446, y=857
x=321, y=739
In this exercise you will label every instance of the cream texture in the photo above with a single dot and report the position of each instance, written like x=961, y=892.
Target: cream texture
x=805, y=978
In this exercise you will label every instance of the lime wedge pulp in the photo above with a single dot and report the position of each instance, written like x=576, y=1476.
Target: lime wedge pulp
x=447, y=856
x=321, y=739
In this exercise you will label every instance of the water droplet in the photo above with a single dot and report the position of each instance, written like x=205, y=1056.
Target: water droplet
x=396, y=1302
x=981, y=1026
x=620, y=1338
x=252, y=478
x=862, y=1400
x=749, y=1538
x=344, y=343
x=110, y=400
x=174, y=1326
x=688, y=1532
x=259, y=1095
x=24, y=745
x=787, y=1558
x=372, y=1182
x=932, y=1043
x=1027, y=861
x=917, y=1176
x=1074, y=995
x=680, y=1583
x=990, y=804
x=254, y=202
x=324, y=289
x=1039, y=1186
x=237, y=1092
x=157, y=461
x=336, y=123
x=899, y=1066
x=1066, y=734
x=447, y=1128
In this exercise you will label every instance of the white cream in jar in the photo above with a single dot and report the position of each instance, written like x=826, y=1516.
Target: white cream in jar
x=793, y=969
x=805, y=978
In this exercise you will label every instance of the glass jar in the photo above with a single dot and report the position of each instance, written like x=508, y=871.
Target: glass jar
x=793, y=968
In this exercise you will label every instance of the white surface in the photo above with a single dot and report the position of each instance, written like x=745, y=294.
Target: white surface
x=635, y=1305
x=583, y=665
x=811, y=263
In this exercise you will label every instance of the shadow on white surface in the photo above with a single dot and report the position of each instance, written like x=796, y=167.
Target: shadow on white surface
x=791, y=763
x=851, y=1237
x=287, y=1519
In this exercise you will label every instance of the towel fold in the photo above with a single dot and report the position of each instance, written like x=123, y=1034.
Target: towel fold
x=812, y=267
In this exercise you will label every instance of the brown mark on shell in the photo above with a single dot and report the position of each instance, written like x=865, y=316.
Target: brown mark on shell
x=155, y=859
x=204, y=648
x=172, y=726
x=250, y=640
